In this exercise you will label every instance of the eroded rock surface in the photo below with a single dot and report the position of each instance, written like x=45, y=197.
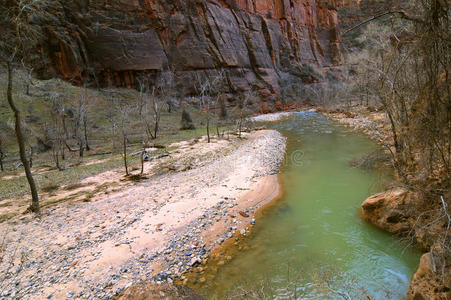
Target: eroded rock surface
x=387, y=211
x=256, y=42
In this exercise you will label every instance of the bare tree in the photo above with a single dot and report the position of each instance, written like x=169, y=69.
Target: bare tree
x=19, y=34
x=407, y=70
x=2, y=153
x=142, y=155
x=209, y=90
x=123, y=112
x=81, y=122
x=168, y=88
x=222, y=115
x=27, y=77
x=85, y=118
x=242, y=106
x=110, y=115
x=56, y=130
x=150, y=106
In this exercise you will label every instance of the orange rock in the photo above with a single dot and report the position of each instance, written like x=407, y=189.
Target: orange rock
x=243, y=214
x=255, y=39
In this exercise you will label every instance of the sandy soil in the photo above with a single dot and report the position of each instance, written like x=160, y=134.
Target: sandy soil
x=193, y=200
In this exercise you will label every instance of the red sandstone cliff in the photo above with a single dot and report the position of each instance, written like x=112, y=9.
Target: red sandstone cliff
x=254, y=41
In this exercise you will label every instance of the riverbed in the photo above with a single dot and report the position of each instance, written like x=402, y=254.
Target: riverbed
x=312, y=243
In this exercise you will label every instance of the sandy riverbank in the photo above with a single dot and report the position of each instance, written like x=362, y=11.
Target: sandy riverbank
x=273, y=117
x=154, y=229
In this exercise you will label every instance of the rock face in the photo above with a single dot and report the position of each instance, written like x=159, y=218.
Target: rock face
x=256, y=42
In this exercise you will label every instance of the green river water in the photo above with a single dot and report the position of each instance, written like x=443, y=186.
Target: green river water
x=313, y=238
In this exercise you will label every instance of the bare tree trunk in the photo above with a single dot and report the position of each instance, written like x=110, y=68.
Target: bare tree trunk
x=63, y=119
x=56, y=157
x=20, y=140
x=31, y=157
x=81, y=149
x=157, y=117
x=2, y=154
x=142, y=161
x=1, y=161
x=157, y=125
x=112, y=138
x=125, y=153
x=208, y=128
x=217, y=130
x=63, y=153
x=240, y=124
x=85, y=125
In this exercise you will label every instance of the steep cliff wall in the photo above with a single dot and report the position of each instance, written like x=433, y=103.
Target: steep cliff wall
x=254, y=41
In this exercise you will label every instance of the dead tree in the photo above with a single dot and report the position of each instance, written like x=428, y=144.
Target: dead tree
x=243, y=112
x=2, y=153
x=150, y=106
x=110, y=115
x=409, y=75
x=27, y=77
x=19, y=35
x=56, y=130
x=123, y=111
x=203, y=86
x=143, y=153
x=81, y=122
x=156, y=113
x=209, y=90
x=85, y=111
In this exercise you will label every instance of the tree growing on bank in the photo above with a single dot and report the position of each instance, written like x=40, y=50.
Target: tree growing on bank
x=120, y=118
x=408, y=71
x=19, y=32
x=2, y=153
x=242, y=108
x=150, y=105
x=56, y=132
x=209, y=90
x=81, y=122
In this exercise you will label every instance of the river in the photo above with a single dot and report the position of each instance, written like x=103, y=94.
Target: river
x=312, y=243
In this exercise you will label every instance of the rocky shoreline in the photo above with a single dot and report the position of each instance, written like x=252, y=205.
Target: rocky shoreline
x=152, y=231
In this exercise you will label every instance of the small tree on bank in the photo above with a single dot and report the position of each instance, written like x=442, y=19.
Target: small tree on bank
x=2, y=154
x=209, y=90
x=123, y=111
x=18, y=35
x=243, y=101
x=150, y=106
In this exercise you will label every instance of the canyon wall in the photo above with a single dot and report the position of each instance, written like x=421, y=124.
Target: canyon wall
x=254, y=42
